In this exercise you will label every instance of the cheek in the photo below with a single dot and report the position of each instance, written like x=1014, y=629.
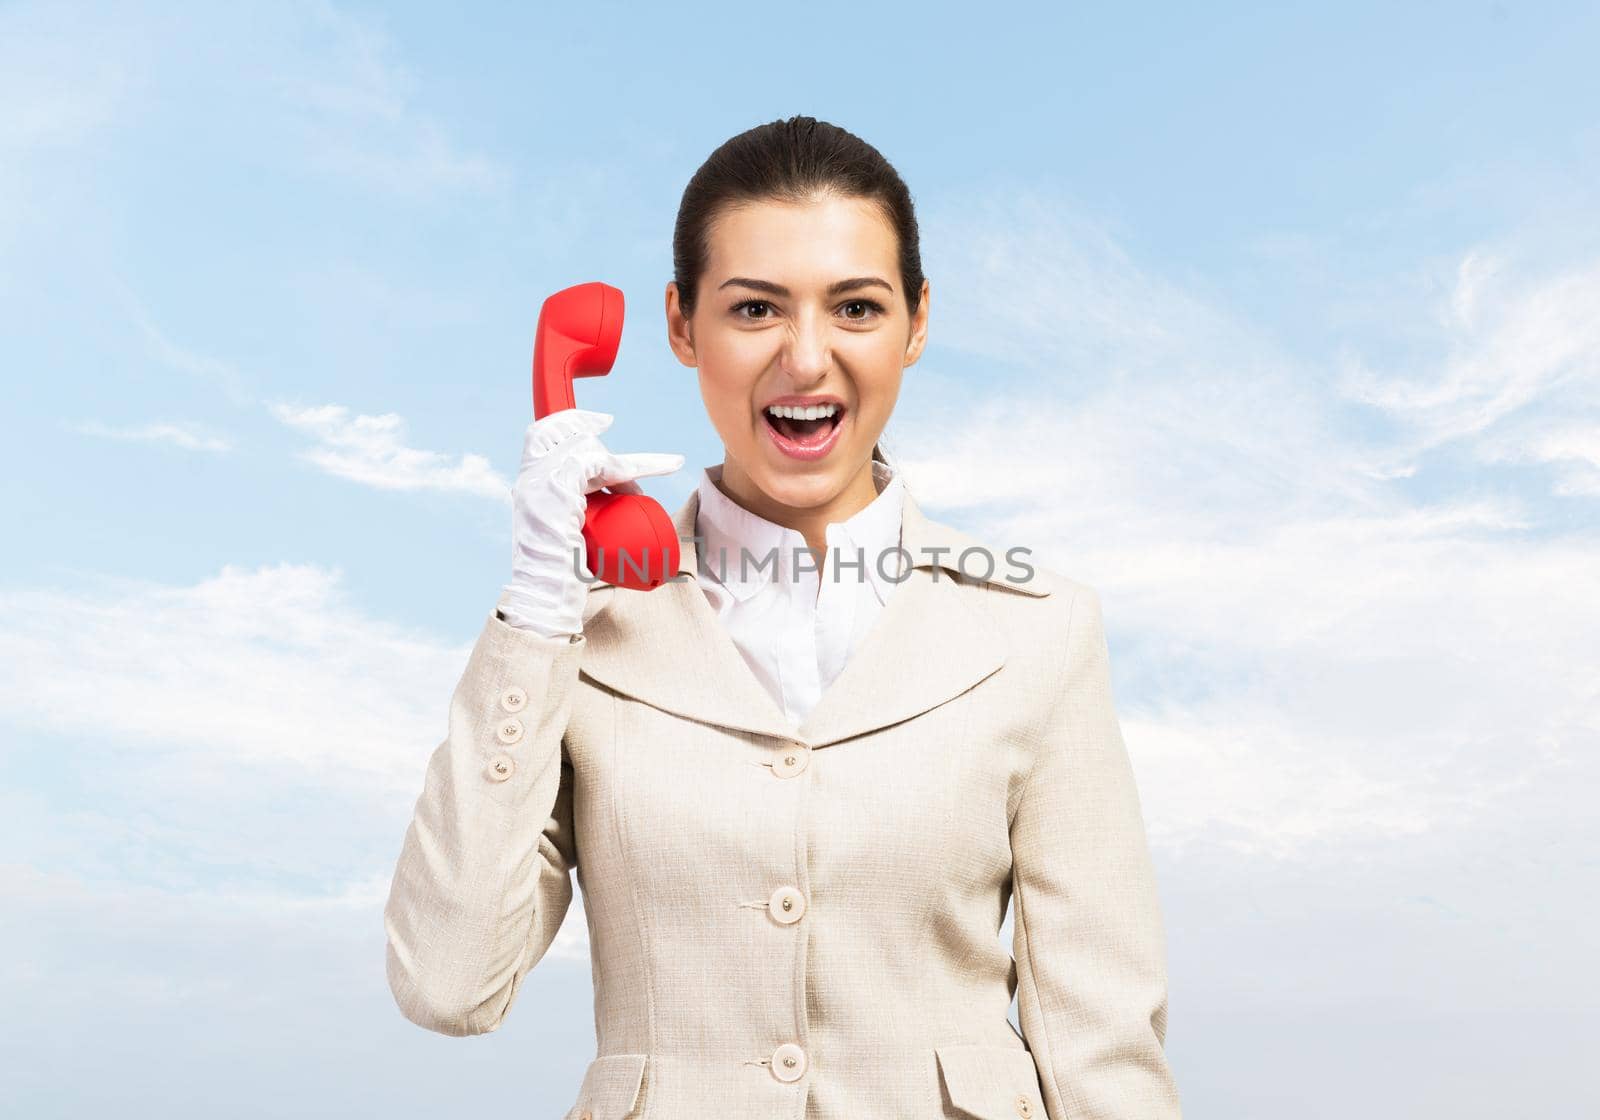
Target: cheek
x=881, y=387
x=728, y=401
x=736, y=350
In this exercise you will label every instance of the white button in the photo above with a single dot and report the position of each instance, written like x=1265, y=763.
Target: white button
x=509, y=731
x=786, y=905
x=791, y=760
x=513, y=699
x=500, y=767
x=788, y=1062
x=1024, y=1107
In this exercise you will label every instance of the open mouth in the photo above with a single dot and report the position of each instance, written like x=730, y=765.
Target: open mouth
x=801, y=430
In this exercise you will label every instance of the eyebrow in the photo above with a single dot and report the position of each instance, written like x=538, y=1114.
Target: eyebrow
x=779, y=290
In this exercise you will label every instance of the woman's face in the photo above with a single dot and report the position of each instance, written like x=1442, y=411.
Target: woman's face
x=799, y=301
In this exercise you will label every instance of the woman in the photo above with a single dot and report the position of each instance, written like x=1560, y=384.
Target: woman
x=797, y=801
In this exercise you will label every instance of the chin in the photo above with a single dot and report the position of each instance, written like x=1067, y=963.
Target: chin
x=801, y=491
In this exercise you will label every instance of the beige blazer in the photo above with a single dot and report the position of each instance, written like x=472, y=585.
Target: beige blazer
x=804, y=925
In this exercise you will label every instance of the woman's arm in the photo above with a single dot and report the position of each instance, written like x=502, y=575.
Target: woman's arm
x=1087, y=927
x=484, y=878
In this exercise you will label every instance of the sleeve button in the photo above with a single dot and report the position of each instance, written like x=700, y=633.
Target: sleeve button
x=513, y=699
x=509, y=731
x=500, y=767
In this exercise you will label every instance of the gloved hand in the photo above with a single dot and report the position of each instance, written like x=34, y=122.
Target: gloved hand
x=563, y=460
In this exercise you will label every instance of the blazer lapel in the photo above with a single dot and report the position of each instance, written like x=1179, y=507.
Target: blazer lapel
x=931, y=643
x=668, y=648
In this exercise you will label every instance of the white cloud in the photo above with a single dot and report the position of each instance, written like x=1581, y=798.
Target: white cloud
x=227, y=377
x=1518, y=353
x=268, y=666
x=185, y=436
x=1311, y=658
x=249, y=747
x=371, y=450
x=1571, y=447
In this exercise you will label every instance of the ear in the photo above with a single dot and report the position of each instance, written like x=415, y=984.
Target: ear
x=680, y=331
x=919, y=328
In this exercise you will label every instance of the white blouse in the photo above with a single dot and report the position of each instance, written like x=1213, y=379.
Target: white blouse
x=794, y=627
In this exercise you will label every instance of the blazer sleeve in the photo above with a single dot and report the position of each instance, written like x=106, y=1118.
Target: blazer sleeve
x=484, y=876
x=1087, y=928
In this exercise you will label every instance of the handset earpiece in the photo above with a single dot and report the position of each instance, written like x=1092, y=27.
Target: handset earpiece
x=629, y=539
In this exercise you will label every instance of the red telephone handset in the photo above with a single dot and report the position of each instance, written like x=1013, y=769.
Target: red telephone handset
x=629, y=540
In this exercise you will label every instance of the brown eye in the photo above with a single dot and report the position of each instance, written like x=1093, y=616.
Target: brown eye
x=873, y=305
x=742, y=304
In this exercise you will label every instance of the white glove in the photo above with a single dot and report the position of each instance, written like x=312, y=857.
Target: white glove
x=563, y=461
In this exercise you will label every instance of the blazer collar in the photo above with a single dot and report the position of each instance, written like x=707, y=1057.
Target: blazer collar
x=728, y=531
x=738, y=543
x=932, y=641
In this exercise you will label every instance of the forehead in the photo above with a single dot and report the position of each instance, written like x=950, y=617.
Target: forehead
x=818, y=241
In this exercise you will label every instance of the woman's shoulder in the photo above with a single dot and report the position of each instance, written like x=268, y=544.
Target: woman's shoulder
x=1031, y=602
x=1035, y=614
x=1030, y=593
x=1008, y=573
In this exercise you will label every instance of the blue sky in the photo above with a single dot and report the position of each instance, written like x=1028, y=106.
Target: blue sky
x=1279, y=327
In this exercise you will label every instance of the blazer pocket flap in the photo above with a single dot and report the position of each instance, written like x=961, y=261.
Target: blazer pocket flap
x=610, y=1088
x=992, y=1082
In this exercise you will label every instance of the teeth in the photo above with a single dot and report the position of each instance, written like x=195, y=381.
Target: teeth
x=814, y=412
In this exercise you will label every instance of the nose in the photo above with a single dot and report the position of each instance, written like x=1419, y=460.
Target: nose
x=808, y=350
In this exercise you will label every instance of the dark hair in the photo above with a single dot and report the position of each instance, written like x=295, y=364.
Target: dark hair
x=791, y=160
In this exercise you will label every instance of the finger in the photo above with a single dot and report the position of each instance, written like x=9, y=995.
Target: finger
x=614, y=471
x=642, y=464
x=604, y=475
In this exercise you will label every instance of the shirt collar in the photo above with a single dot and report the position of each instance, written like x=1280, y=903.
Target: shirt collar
x=725, y=527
